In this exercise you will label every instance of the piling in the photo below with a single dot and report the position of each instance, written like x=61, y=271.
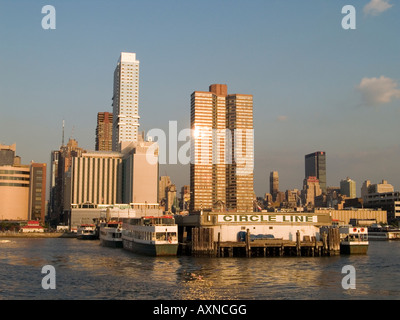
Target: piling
x=202, y=241
x=203, y=244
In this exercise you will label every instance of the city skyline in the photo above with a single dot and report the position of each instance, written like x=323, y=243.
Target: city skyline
x=315, y=85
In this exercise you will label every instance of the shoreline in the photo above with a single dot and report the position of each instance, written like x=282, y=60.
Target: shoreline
x=37, y=235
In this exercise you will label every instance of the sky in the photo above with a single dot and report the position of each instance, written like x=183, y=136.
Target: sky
x=316, y=85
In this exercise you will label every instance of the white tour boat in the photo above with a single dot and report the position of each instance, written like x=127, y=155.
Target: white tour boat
x=156, y=236
x=377, y=232
x=87, y=232
x=111, y=234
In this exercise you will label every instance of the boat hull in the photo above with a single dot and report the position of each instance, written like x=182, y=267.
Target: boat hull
x=87, y=237
x=353, y=249
x=169, y=249
x=111, y=243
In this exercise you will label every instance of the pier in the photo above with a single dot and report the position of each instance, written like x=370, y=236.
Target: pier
x=203, y=244
x=266, y=234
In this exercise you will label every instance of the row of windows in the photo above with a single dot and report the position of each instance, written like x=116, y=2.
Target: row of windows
x=14, y=178
x=4, y=184
x=13, y=172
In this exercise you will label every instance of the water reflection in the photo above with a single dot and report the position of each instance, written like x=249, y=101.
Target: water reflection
x=85, y=270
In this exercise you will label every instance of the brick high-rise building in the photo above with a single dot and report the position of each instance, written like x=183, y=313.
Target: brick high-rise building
x=221, y=169
x=104, y=131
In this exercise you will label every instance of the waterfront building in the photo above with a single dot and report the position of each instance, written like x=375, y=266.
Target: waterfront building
x=37, y=191
x=315, y=166
x=14, y=192
x=140, y=172
x=104, y=131
x=222, y=150
x=89, y=213
x=274, y=184
x=348, y=188
x=61, y=161
x=95, y=177
x=125, y=102
x=344, y=216
x=228, y=226
x=22, y=187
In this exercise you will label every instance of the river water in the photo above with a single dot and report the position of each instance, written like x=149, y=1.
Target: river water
x=86, y=270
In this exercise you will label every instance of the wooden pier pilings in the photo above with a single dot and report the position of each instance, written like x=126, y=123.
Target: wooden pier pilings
x=203, y=244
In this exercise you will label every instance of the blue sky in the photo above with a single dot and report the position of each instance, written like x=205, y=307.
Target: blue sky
x=316, y=86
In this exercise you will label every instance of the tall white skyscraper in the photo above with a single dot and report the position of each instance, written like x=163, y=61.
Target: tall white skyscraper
x=125, y=101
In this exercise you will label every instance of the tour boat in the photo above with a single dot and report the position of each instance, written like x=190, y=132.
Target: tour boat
x=377, y=232
x=155, y=236
x=87, y=232
x=353, y=240
x=111, y=234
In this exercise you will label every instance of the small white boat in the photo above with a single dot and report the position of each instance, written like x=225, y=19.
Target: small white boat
x=111, y=234
x=87, y=232
x=353, y=240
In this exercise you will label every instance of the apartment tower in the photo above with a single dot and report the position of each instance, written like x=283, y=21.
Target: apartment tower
x=104, y=131
x=221, y=169
x=125, y=102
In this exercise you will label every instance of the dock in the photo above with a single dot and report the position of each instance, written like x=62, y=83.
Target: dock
x=203, y=244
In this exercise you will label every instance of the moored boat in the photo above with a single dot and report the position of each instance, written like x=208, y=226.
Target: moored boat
x=87, y=232
x=155, y=236
x=377, y=232
x=354, y=240
x=111, y=234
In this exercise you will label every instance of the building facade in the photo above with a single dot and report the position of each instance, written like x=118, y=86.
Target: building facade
x=222, y=150
x=348, y=188
x=22, y=188
x=95, y=177
x=311, y=190
x=315, y=166
x=274, y=184
x=61, y=161
x=125, y=101
x=104, y=131
x=37, y=192
x=14, y=192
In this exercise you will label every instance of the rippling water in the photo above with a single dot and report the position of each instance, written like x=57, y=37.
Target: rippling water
x=85, y=270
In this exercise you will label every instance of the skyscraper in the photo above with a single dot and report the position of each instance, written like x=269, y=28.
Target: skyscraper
x=221, y=169
x=125, y=101
x=104, y=131
x=37, y=192
x=315, y=166
x=348, y=188
x=274, y=184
